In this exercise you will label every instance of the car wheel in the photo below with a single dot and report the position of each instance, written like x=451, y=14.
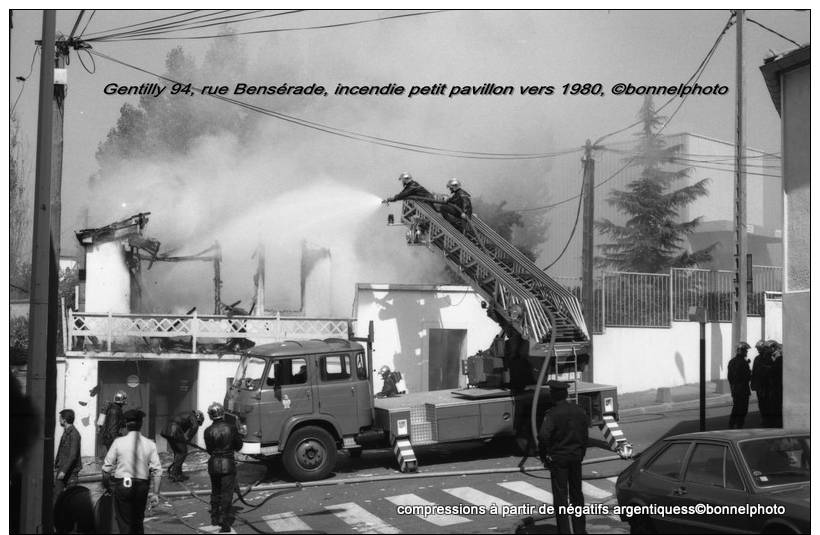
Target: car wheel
x=641, y=525
x=310, y=454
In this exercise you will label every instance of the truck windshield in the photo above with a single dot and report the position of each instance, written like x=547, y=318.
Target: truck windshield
x=250, y=373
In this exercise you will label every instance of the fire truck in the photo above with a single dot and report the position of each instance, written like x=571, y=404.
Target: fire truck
x=307, y=400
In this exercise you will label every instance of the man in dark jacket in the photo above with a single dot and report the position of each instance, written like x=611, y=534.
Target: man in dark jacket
x=411, y=189
x=112, y=424
x=761, y=372
x=459, y=208
x=221, y=441
x=562, y=444
x=739, y=375
x=178, y=433
x=68, y=463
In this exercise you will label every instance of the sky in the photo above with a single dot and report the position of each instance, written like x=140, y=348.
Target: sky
x=457, y=48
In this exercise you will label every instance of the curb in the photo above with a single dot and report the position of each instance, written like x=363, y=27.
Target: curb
x=723, y=400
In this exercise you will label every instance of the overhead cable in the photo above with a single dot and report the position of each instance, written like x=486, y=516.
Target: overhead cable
x=795, y=43
x=216, y=21
x=276, y=30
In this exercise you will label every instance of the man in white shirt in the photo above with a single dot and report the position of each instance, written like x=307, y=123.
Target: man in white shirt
x=130, y=467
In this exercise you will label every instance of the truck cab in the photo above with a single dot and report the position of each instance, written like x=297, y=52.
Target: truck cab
x=304, y=400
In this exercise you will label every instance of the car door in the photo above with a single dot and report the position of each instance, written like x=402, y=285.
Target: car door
x=337, y=391
x=659, y=482
x=285, y=393
x=712, y=478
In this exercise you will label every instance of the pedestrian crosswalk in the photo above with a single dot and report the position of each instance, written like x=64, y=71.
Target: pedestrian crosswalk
x=432, y=506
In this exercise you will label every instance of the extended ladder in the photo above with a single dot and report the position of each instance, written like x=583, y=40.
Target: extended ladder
x=504, y=276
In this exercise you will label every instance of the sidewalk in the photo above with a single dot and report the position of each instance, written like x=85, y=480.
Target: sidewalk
x=674, y=398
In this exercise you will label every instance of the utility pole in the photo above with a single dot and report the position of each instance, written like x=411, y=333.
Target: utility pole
x=587, y=243
x=741, y=245
x=41, y=377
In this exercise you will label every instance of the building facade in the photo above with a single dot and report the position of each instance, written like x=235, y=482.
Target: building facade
x=788, y=78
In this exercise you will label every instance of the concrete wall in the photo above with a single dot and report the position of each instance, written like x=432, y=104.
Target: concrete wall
x=635, y=359
x=108, y=282
x=796, y=102
x=75, y=379
x=212, y=386
x=796, y=363
x=402, y=316
x=797, y=178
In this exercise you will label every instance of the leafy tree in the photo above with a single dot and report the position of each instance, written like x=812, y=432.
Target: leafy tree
x=526, y=234
x=652, y=239
x=170, y=124
x=19, y=209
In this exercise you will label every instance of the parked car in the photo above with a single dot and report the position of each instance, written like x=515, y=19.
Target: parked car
x=733, y=481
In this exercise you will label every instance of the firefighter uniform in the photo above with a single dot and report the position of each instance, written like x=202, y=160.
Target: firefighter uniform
x=113, y=424
x=411, y=189
x=739, y=375
x=178, y=433
x=133, y=463
x=761, y=381
x=457, y=204
x=221, y=441
x=562, y=441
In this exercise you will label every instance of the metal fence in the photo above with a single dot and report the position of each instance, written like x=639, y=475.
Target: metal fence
x=656, y=300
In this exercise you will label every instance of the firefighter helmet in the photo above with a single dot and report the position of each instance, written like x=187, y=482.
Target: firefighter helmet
x=216, y=411
x=384, y=370
x=120, y=397
x=454, y=183
x=516, y=309
x=404, y=177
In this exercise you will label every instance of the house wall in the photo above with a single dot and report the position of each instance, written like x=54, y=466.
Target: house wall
x=796, y=101
x=665, y=357
x=75, y=380
x=402, y=316
x=212, y=379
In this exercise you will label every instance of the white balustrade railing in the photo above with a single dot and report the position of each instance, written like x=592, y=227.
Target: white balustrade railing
x=107, y=330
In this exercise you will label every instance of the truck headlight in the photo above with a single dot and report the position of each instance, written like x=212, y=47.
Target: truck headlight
x=609, y=405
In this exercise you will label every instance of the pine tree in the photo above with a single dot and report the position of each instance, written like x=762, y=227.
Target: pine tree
x=652, y=239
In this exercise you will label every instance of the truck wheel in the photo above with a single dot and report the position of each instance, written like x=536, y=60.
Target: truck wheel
x=310, y=454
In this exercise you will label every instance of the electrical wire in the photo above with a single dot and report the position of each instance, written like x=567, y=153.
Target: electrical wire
x=792, y=41
x=182, y=24
x=275, y=30
x=159, y=31
x=699, y=71
x=553, y=205
x=724, y=163
x=94, y=12
x=93, y=63
x=425, y=149
x=574, y=227
x=751, y=173
x=146, y=22
x=711, y=51
x=24, y=79
x=76, y=24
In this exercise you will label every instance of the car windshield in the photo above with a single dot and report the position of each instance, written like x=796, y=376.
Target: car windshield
x=250, y=372
x=778, y=460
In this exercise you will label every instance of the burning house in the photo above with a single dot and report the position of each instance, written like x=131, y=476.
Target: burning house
x=166, y=363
